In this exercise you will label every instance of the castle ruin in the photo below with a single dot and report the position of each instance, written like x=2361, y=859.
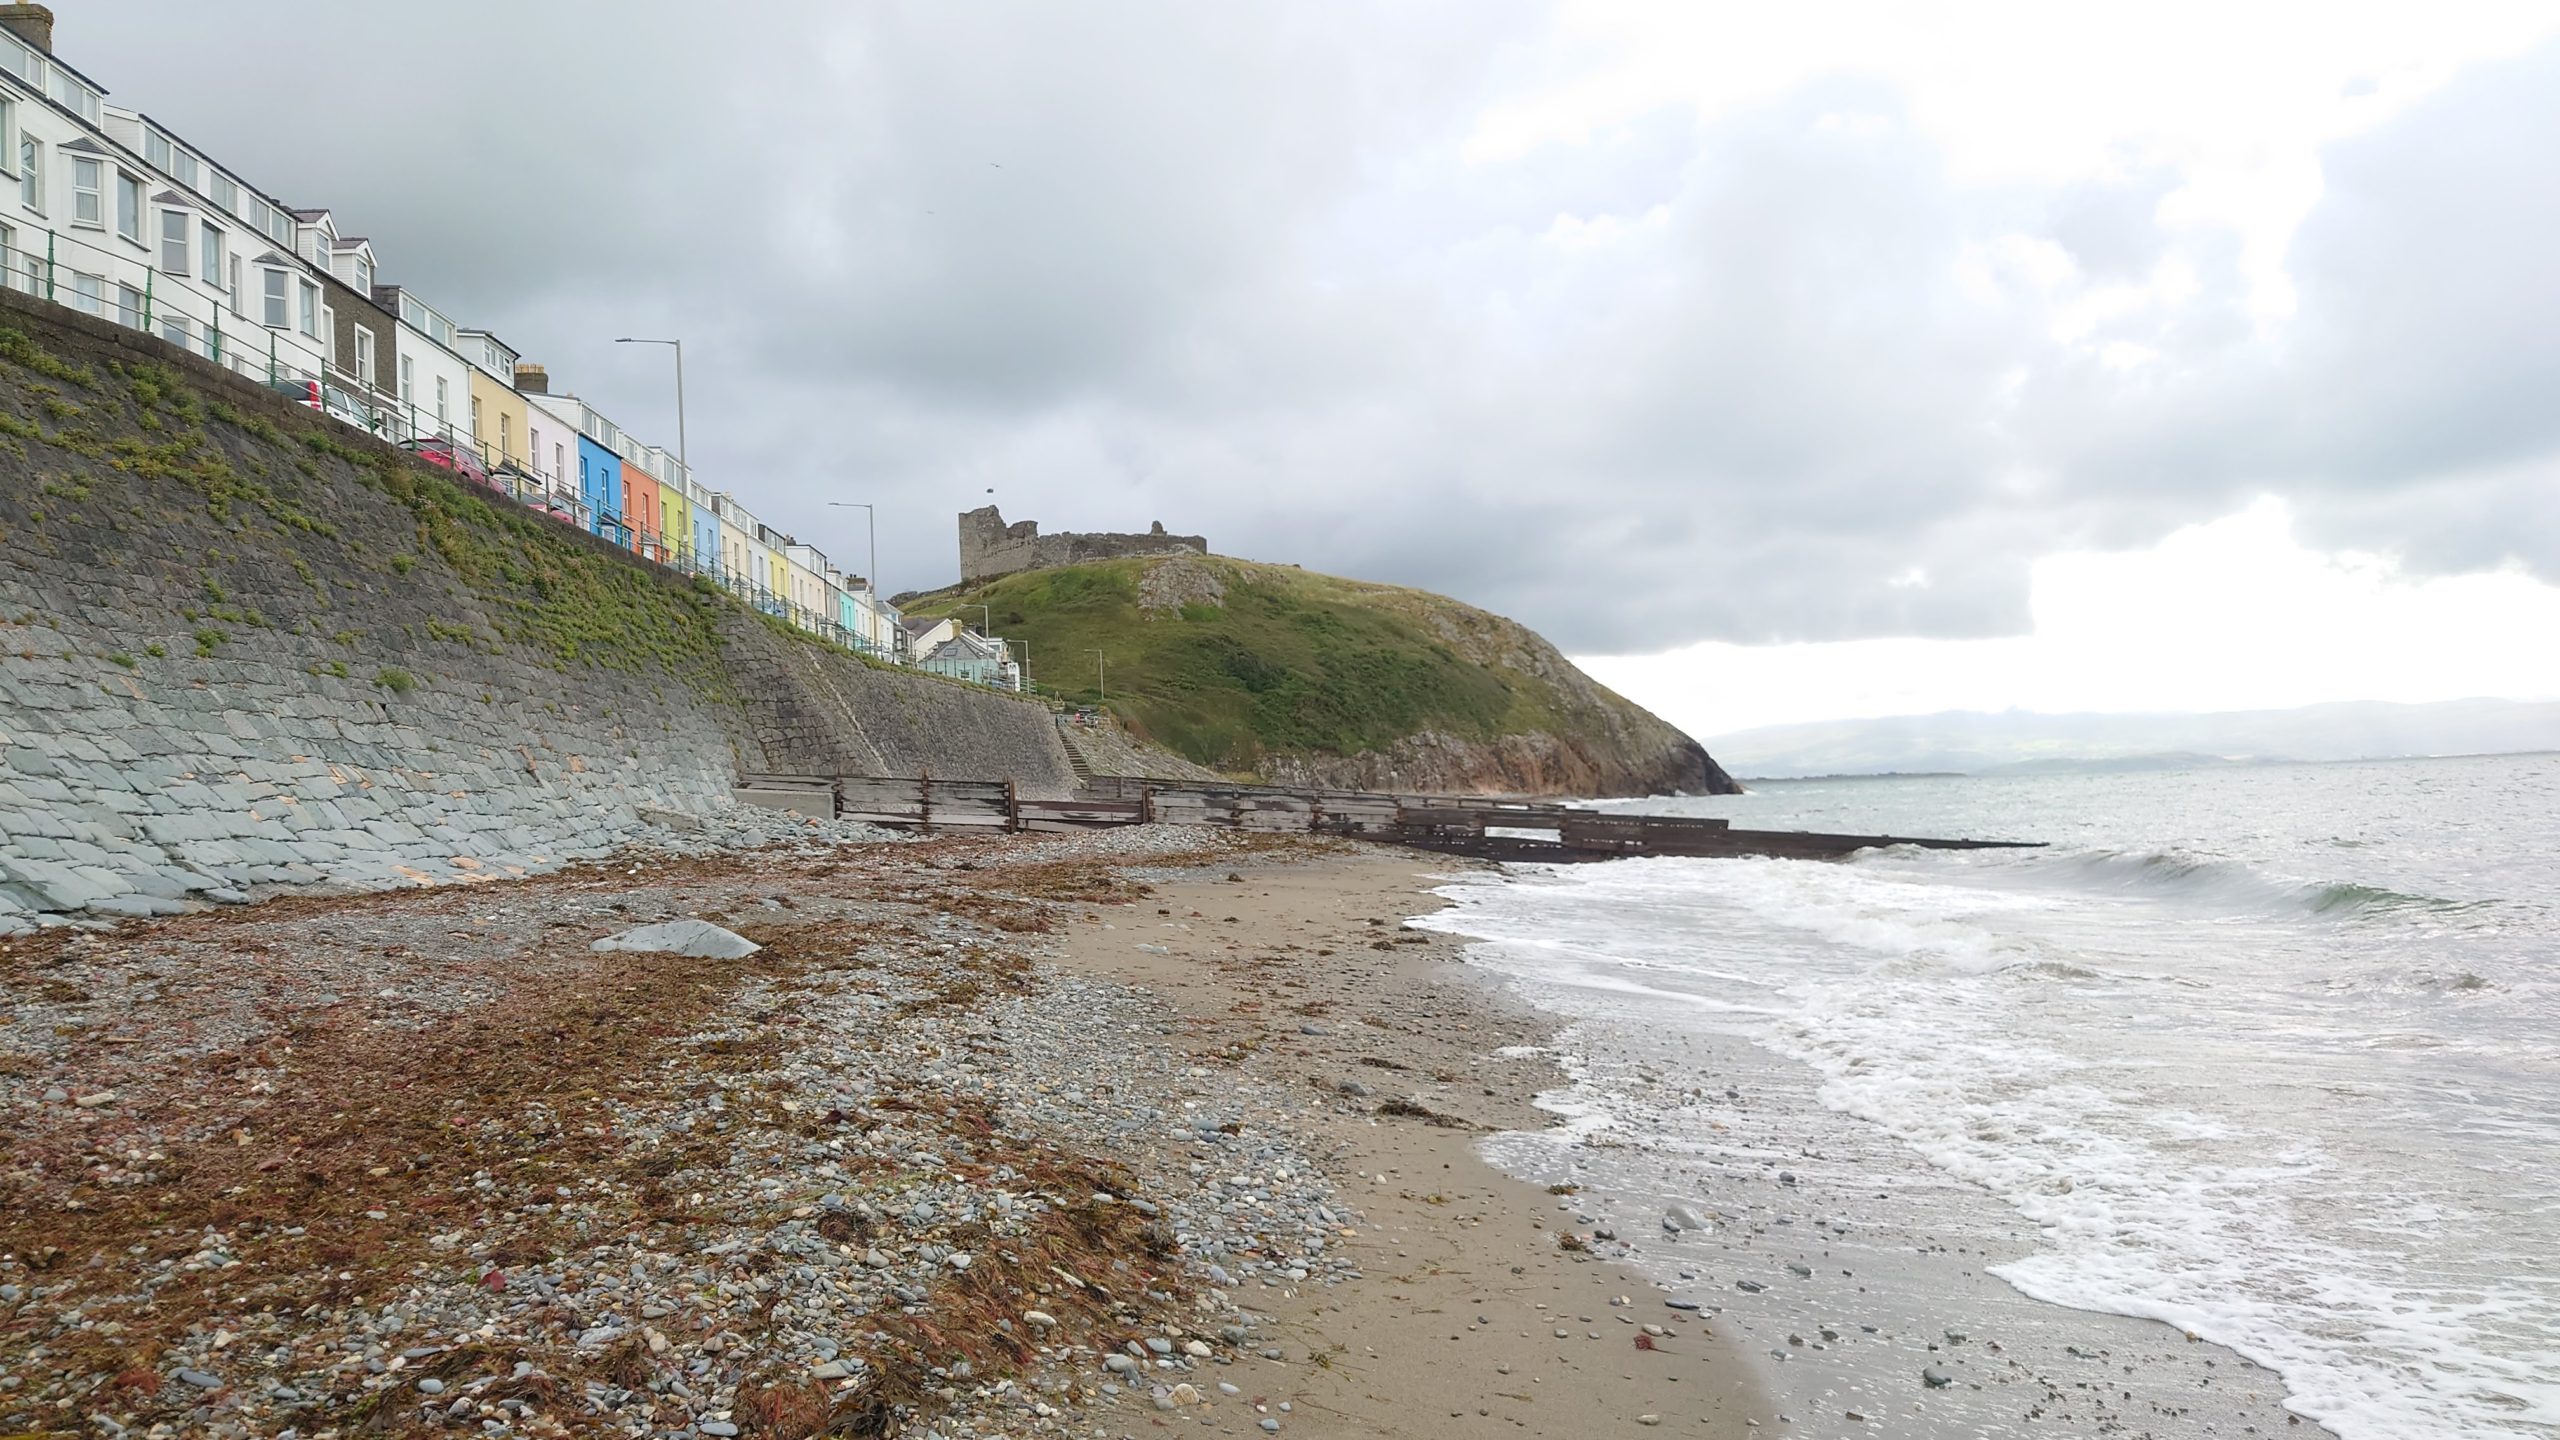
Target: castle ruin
x=989, y=547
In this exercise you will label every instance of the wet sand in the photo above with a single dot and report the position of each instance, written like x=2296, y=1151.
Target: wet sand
x=1473, y=1318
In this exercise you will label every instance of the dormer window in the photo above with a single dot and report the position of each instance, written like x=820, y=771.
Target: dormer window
x=364, y=274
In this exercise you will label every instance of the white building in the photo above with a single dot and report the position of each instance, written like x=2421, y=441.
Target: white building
x=814, y=601
x=551, y=438
x=433, y=381
x=110, y=212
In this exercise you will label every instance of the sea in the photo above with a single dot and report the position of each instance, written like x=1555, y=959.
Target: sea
x=2251, y=1062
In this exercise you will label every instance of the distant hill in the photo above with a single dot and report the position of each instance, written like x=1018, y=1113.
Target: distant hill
x=1281, y=674
x=1974, y=742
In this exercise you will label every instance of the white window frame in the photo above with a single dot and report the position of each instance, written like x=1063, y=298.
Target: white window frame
x=408, y=379
x=275, y=298
x=89, y=292
x=364, y=356
x=364, y=275
x=91, y=196
x=175, y=329
x=9, y=135
x=310, y=309
x=209, y=248
x=176, y=236
x=30, y=152
x=444, y=399
x=129, y=207
x=129, y=303
x=239, y=290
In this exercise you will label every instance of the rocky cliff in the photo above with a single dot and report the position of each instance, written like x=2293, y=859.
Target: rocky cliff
x=1284, y=675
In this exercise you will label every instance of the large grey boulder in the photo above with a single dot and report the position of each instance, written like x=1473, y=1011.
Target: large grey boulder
x=698, y=938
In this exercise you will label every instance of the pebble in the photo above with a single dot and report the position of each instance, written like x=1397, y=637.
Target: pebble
x=1270, y=1426
x=200, y=1379
x=717, y=1427
x=431, y=1386
x=1935, y=1378
x=1041, y=1318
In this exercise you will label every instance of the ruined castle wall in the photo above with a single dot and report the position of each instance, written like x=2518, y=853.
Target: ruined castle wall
x=989, y=547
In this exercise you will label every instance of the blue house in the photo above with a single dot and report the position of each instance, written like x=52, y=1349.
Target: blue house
x=706, y=532
x=600, y=486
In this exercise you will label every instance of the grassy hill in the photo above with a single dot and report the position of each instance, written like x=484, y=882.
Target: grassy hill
x=1273, y=671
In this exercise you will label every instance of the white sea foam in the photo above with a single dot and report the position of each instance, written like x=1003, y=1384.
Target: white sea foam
x=2149, y=1057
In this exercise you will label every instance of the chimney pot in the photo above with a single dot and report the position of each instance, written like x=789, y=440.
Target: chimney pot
x=31, y=23
x=532, y=379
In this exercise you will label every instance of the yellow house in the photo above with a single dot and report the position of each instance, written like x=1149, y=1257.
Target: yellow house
x=498, y=414
x=675, y=507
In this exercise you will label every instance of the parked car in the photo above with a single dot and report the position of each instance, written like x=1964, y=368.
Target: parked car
x=439, y=451
x=324, y=397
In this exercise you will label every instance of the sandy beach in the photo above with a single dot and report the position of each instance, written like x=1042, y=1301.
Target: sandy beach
x=1076, y=1135
x=1472, y=1312
x=1073, y=1135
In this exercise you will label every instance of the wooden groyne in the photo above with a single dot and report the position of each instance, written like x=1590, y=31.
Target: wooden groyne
x=1457, y=825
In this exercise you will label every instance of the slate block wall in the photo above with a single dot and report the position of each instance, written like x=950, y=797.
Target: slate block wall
x=243, y=644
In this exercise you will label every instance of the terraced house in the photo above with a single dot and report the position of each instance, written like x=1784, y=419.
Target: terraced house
x=110, y=211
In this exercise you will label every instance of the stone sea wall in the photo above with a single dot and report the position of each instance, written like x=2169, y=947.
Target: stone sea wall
x=242, y=645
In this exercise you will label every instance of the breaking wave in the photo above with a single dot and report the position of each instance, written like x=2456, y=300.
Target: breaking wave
x=2209, y=879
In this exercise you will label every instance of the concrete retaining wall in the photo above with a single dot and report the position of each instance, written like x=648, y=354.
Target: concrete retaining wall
x=242, y=644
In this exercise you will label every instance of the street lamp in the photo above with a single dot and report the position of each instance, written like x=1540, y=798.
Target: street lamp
x=871, y=517
x=681, y=458
x=1099, y=686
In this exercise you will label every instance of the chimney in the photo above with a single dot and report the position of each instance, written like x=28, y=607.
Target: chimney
x=532, y=379
x=31, y=23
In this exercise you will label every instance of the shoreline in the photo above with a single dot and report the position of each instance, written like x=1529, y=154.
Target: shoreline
x=1827, y=1235
x=1471, y=1313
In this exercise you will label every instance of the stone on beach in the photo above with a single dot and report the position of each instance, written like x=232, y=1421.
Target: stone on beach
x=699, y=939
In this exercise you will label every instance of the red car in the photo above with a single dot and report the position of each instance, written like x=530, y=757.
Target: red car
x=439, y=451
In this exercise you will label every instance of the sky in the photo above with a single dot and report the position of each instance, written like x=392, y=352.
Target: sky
x=1782, y=362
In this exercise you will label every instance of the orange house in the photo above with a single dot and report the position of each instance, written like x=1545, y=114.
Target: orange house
x=641, y=509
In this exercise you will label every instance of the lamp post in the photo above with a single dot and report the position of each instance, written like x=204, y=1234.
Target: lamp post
x=681, y=457
x=871, y=517
x=1100, y=687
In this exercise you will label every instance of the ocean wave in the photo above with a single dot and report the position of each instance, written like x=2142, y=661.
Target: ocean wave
x=2213, y=879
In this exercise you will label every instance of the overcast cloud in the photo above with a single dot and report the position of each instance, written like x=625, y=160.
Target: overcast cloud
x=1643, y=340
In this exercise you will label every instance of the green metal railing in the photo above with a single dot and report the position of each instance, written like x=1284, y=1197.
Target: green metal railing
x=71, y=271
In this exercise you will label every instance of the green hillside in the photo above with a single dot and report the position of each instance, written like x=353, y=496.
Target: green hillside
x=1232, y=664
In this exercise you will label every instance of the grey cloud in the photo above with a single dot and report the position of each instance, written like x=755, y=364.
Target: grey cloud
x=1229, y=268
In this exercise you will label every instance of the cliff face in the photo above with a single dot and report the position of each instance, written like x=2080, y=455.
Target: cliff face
x=1282, y=675
x=240, y=643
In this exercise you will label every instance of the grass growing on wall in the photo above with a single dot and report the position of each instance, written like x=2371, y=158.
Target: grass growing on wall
x=539, y=584
x=1286, y=661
